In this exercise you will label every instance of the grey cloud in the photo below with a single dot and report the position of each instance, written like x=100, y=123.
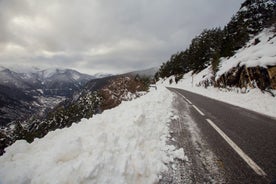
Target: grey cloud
x=104, y=34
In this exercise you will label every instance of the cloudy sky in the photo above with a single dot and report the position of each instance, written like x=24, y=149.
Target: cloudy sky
x=111, y=36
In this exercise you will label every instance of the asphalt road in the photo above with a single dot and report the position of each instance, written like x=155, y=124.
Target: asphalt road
x=243, y=141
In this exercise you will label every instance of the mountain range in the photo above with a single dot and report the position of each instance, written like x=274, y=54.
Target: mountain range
x=27, y=91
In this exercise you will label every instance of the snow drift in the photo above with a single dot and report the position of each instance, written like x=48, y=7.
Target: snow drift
x=126, y=144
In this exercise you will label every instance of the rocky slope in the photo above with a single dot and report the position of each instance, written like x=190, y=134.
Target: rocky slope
x=253, y=66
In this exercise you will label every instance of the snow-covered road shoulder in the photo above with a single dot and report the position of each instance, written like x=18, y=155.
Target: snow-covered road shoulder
x=126, y=144
x=252, y=99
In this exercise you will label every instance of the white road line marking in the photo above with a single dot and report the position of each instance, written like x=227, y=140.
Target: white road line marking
x=189, y=101
x=243, y=155
x=184, y=98
x=200, y=112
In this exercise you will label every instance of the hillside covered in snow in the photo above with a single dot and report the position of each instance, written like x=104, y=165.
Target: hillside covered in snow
x=236, y=64
x=241, y=55
x=239, y=77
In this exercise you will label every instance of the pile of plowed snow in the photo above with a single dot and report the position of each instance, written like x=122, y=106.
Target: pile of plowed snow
x=126, y=144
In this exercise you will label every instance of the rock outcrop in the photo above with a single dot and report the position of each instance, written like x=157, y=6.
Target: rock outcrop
x=243, y=77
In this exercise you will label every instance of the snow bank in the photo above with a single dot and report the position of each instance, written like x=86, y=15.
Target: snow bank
x=253, y=54
x=126, y=144
x=253, y=99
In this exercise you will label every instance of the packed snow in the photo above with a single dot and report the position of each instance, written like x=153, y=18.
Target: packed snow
x=252, y=99
x=126, y=144
x=253, y=54
x=260, y=53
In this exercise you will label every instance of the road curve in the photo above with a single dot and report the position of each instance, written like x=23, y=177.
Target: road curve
x=243, y=140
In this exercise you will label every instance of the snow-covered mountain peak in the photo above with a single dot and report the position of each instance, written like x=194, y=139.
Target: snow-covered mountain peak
x=47, y=73
x=21, y=69
x=101, y=75
x=36, y=78
x=2, y=68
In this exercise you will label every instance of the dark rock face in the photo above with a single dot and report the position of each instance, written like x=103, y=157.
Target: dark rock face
x=243, y=77
x=272, y=76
